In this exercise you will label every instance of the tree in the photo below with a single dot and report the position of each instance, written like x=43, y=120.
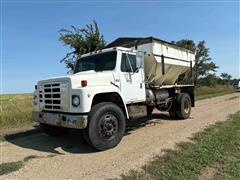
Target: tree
x=209, y=80
x=226, y=78
x=81, y=40
x=204, y=65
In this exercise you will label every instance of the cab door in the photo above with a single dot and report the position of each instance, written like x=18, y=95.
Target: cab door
x=131, y=79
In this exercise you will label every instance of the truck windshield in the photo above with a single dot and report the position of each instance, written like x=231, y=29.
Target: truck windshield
x=99, y=62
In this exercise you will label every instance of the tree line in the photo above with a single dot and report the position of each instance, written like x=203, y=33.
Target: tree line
x=89, y=38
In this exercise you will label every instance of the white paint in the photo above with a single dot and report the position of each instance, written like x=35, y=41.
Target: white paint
x=132, y=85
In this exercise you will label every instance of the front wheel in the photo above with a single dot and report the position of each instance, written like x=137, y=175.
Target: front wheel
x=106, y=126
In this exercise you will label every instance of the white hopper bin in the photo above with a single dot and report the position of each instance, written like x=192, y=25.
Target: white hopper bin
x=164, y=61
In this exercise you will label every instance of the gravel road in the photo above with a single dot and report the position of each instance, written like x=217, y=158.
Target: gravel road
x=70, y=158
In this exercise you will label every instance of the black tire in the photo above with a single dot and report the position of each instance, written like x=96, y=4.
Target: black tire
x=173, y=114
x=150, y=110
x=172, y=111
x=183, y=106
x=54, y=130
x=106, y=126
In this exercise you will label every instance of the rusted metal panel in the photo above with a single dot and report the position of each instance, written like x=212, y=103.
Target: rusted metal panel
x=137, y=111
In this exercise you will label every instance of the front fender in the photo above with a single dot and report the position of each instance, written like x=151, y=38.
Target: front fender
x=87, y=94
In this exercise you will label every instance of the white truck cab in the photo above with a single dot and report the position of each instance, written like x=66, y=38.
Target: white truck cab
x=113, y=85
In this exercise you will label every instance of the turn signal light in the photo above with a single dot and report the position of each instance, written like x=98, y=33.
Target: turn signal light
x=84, y=83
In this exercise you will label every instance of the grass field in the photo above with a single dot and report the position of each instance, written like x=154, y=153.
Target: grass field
x=15, y=109
x=208, y=92
x=213, y=154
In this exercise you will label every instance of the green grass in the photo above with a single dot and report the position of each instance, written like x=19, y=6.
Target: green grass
x=209, y=92
x=216, y=148
x=15, y=110
x=6, y=168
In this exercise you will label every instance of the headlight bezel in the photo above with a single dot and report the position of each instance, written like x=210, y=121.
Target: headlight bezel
x=75, y=100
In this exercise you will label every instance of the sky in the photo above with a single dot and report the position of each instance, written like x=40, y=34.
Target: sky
x=31, y=51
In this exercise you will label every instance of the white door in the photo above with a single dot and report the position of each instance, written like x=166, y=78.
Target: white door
x=131, y=78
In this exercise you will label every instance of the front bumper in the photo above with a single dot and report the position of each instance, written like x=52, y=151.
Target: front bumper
x=60, y=119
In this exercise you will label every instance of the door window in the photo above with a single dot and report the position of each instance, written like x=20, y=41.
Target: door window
x=128, y=63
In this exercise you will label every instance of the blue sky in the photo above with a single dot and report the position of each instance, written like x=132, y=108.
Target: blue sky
x=31, y=50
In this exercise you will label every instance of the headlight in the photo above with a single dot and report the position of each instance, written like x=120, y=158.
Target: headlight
x=75, y=101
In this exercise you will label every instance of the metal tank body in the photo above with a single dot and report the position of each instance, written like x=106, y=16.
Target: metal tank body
x=164, y=62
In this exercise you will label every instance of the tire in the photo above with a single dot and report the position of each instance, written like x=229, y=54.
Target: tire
x=54, y=130
x=172, y=111
x=150, y=110
x=106, y=126
x=173, y=114
x=183, y=106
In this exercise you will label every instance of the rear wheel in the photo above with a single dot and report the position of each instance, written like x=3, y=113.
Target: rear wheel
x=54, y=130
x=106, y=126
x=173, y=113
x=183, y=106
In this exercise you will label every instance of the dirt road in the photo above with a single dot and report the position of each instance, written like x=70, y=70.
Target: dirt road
x=70, y=158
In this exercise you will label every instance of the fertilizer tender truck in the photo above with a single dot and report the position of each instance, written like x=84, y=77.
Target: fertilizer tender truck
x=124, y=81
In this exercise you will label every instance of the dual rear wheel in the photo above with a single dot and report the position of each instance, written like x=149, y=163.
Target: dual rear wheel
x=181, y=108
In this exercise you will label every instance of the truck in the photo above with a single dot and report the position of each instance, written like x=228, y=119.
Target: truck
x=236, y=85
x=108, y=87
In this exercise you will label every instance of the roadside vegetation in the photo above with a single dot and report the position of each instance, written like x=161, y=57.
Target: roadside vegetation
x=212, y=154
x=6, y=168
x=15, y=110
x=209, y=92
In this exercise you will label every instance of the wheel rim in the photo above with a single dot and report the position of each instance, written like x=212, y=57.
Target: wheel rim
x=108, y=126
x=186, y=106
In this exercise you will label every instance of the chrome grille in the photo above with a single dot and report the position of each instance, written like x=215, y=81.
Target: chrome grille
x=52, y=95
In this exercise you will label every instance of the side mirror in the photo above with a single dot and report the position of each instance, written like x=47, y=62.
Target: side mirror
x=139, y=59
